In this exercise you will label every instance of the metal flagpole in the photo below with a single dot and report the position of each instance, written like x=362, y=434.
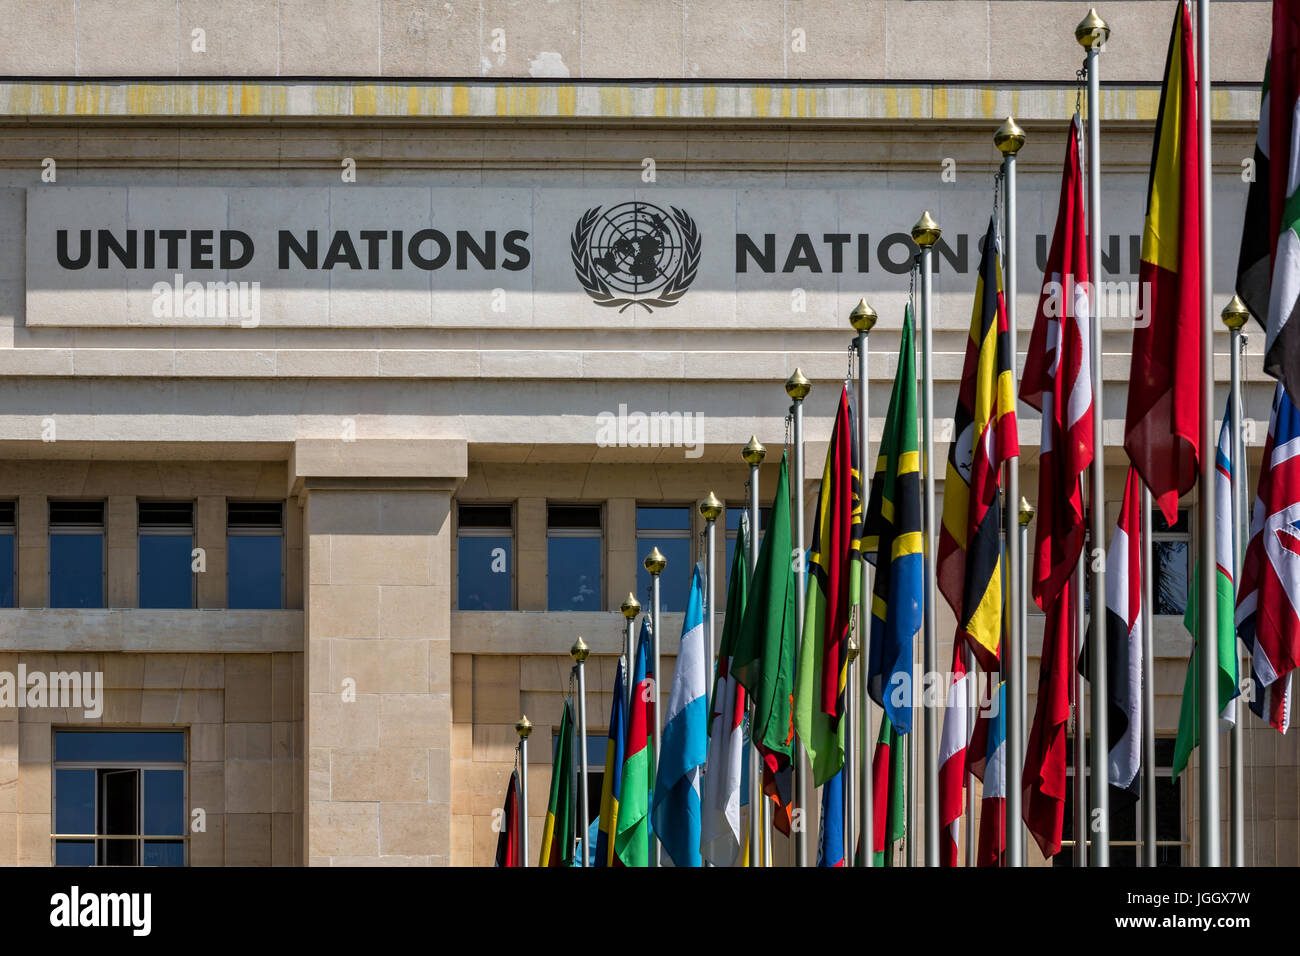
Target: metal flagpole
x=523, y=729
x=1209, y=671
x=579, y=652
x=863, y=319
x=1234, y=317
x=655, y=562
x=925, y=234
x=1009, y=138
x=710, y=508
x=1092, y=34
x=1080, y=738
x=754, y=453
x=850, y=712
x=1026, y=515
x=797, y=387
x=573, y=769
x=1149, y=831
x=630, y=607
x=972, y=714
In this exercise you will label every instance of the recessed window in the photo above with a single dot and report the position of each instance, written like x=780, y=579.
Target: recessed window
x=732, y=519
x=669, y=530
x=120, y=798
x=166, y=574
x=1171, y=556
x=484, y=558
x=255, y=555
x=77, y=554
x=8, y=554
x=573, y=558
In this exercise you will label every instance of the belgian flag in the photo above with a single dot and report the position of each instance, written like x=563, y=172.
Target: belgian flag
x=969, y=569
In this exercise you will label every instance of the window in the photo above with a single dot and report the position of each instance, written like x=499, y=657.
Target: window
x=120, y=798
x=1126, y=815
x=166, y=572
x=77, y=554
x=669, y=530
x=255, y=554
x=484, y=563
x=1171, y=555
x=732, y=518
x=8, y=555
x=573, y=558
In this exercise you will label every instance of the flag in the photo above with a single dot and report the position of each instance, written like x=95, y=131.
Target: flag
x=892, y=542
x=632, y=829
x=508, y=850
x=1225, y=639
x=1268, y=606
x=969, y=566
x=610, y=784
x=823, y=663
x=1043, y=783
x=889, y=792
x=830, y=845
x=720, y=839
x=1163, y=422
x=765, y=653
x=1268, y=267
x=558, y=832
x=675, y=809
x=952, y=757
x=988, y=747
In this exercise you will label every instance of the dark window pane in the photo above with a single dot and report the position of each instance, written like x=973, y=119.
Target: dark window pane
x=166, y=514
x=163, y=853
x=74, y=853
x=6, y=570
x=254, y=571
x=119, y=746
x=1171, y=584
x=663, y=519
x=164, y=802
x=1159, y=524
x=76, y=513
x=483, y=573
x=7, y=511
x=255, y=514
x=585, y=517
x=573, y=574
x=119, y=815
x=74, y=801
x=484, y=516
x=166, y=578
x=77, y=570
x=675, y=581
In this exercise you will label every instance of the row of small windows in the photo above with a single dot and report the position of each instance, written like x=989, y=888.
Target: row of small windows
x=167, y=562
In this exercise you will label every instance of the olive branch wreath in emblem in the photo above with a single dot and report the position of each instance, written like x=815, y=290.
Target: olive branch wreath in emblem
x=596, y=287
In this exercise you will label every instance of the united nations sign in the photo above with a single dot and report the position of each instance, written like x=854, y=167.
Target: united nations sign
x=636, y=254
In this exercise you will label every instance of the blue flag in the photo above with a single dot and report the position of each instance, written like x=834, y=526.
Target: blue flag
x=830, y=851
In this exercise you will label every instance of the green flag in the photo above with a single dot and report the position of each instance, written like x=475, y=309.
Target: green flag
x=557, y=834
x=889, y=788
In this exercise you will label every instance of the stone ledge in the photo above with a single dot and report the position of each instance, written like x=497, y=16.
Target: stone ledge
x=212, y=631
x=410, y=462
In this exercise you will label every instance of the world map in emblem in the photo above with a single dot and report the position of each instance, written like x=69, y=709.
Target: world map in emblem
x=635, y=253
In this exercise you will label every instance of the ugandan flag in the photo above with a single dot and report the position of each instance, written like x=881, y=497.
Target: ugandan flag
x=969, y=567
x=612, y=781
x=557, y=832
x=823, y=661
x=1163, y=423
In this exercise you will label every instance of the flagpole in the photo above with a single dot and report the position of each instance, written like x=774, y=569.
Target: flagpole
x=797, y=387
x=1234, y=317
x=573, y=769
x=850, y=713
x=710, y=508
x=1092, y=34
x=1009, y=139
x=655, y=563
x=925, y=234
x=579, y=652
x=1080, y=738
x=523, y=728
x=1025, y=515
x=863, y=319
x=1209, y=671
x=1150, y=847
x=754, y=453
x=972, y=714
x=630, y=607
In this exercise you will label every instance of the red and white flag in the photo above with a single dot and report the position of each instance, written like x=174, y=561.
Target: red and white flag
x=952, y=757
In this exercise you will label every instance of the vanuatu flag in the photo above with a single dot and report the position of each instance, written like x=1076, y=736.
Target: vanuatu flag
x=1163, y=423
x=764, y=656
x=891, y=539
x=889, y=783
x=632, y=828
x=557, y=833
x=969, y=569
x=610, y=784
x=823, y=663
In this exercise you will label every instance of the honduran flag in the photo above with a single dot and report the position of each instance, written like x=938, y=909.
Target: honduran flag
x=676, y=806
x=988, y=746
x=1268, y=603
x=952, y=757
x=632, y=829
x=830, y=847
x=613, y=778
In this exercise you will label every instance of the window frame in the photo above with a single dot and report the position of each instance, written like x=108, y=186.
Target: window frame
x=259, y=531
x=10, y=530
x=1185, y=537
x=163, y=531
x=687, y=534
x=51, y=529
x=601, y=552
x=459, y=531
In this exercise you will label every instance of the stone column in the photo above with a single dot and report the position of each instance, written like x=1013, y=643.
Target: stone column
x=377, y=546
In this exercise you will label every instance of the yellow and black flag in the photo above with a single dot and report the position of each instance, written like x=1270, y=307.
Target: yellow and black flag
x=969, y=569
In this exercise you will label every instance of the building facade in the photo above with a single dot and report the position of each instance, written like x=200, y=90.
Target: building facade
x=354, y=353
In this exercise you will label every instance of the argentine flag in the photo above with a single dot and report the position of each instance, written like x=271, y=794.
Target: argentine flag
x=675, y=812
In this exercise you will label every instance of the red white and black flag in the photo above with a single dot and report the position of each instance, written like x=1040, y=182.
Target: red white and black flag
x=1124, y=641
x=508, y=835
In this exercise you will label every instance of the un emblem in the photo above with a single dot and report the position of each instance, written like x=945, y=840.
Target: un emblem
x=635, y=254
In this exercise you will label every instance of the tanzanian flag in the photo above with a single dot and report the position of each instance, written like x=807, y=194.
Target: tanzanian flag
x=632, y=829
x=557, y=833
x=823, y=662
x=969, y=568
x=892, y=542
x=611, y=783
